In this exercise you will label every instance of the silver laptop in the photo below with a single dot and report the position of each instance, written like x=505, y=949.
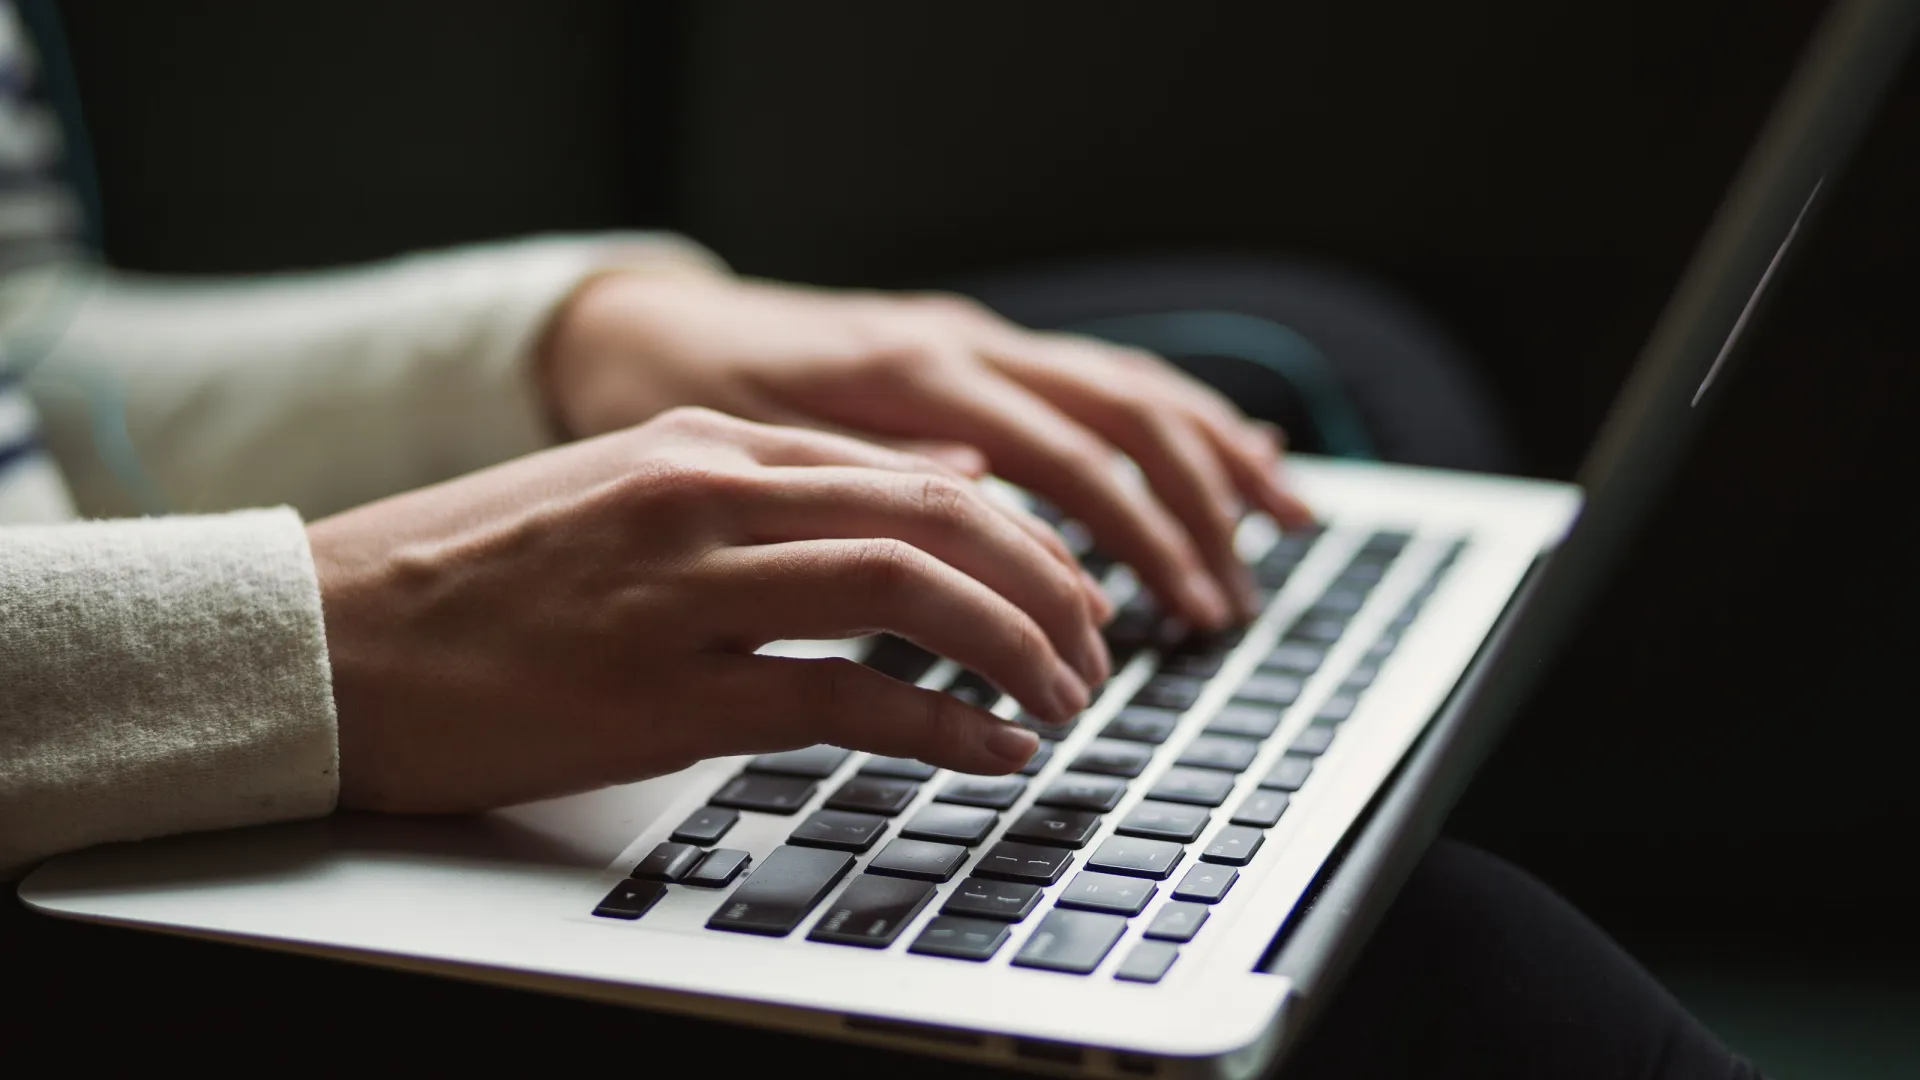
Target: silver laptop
x=1177, y=881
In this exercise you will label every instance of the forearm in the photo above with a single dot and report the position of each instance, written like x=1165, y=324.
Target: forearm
x=159, y=676
x=320, y=390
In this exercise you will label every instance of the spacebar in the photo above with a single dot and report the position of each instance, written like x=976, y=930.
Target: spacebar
x=787, y=885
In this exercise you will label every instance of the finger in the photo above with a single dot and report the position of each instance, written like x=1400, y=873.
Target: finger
x=776, y=444
x=1183, y=466
x=845, y=588
x=1251, y=450
x=844, y=704
x=950, y=519
x=813, y=446
x=968, y=460
x=1255, y=466
x=1034, y=444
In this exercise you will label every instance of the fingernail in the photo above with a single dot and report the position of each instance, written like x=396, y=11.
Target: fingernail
x=1012, y=744
x=1069, y=694
x=1206, y=596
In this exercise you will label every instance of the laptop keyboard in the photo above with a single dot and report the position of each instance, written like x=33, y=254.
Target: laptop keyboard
x=1186, y=837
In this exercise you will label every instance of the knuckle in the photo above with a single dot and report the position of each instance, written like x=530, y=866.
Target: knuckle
x=943, y=721
x=1029, y=641
x=904, y=364
x=952, y=304
x=675, y=489
x=691, y=419
x=945, y=501
x=884, y=566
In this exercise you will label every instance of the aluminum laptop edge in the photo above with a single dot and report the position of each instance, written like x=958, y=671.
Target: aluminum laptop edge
x=1496, y=568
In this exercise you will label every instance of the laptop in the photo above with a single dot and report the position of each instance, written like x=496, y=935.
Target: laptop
x=1177, y=881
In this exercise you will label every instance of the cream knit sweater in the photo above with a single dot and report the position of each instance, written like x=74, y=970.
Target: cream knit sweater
x=162, y=674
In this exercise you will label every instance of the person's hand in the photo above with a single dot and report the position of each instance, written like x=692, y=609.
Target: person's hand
x=588, y=615
x=1049, y=412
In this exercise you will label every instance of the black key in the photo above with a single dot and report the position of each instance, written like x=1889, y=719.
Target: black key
x=1206, y=883
x=666, y=862
x=1386, y=542
x=1270, y=688
x=1176, y=692
x=1224, y=752
x=974, y=689
x=900, y=658
x=841, y=830
x=1318, y=629
x=1039, y=759
x=897, y=767
x=1404, y=617
x=1052, y=825
x=921, y=859
x=814, y=762
x=993, y=792
x=1262, y=809
x=1364, y=572
x=1336, y=709
x=871, y=911
x=1288, y=773
x=1137, y=723
x=1360, y=678
x=706, y=825
x=782, y=891
x=766, y=793
x=1136, y=857
x=718, y=869
x=1165, y=821
x=630, y=899
x=1011, y=861
x=1137, y=625
x=1342, y=599
x=873, y=795
x=1147, y=963
x=1202, y=654
x=1246, y=721
x=1177, y=920
x=944, y=823
x=1294, y=658
x=961, y=939
x=1200, y=787
x=1071, y=941
x=1198, y=665
x=1313, y=741
x=1233, y=845
x=1049, y=732
x=1382, y=648
x=1111, y=757
x=1008, y=901
x=1090, y=891
x=1079, y=791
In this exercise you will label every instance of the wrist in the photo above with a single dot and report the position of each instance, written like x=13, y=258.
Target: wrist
x=604, y=361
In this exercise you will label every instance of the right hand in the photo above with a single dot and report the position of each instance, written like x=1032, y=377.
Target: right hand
x=588, y=615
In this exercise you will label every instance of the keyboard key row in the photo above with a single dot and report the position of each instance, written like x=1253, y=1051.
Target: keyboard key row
x=1010, y=879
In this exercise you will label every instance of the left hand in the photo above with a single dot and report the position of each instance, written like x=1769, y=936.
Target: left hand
x=1046, y=411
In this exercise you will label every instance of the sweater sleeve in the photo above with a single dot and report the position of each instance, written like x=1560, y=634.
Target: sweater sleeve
x=157, y=676
x=319, y=390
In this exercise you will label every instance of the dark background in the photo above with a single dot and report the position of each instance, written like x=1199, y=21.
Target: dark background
x=1722, y=763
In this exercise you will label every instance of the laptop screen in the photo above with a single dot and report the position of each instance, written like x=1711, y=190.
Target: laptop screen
x=1824, y=111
